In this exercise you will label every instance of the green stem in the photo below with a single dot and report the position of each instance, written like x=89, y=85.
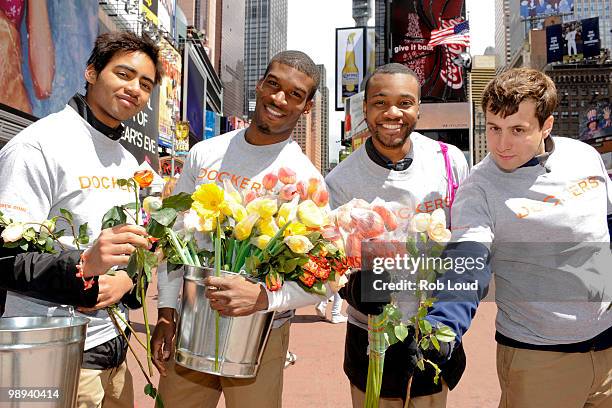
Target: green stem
x=217, y=273
x=136, y=190
x=193, y=253
x=177, y=246
x=146, y=322
x=116, y=314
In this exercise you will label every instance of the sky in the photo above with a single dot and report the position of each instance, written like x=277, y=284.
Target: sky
x=311, y=28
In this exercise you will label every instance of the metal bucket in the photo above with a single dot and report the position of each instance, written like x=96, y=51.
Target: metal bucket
x=241, y=339
x=40, y=361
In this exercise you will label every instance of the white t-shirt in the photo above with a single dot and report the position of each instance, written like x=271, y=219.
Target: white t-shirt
x=62, y=162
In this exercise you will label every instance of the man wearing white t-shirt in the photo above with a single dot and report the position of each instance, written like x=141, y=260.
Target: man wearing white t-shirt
x=244, y=157
x=71, y=160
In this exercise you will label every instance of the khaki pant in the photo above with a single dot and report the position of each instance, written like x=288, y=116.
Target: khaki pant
x=185, y=388
x=545, y=379
x=112, y=388
x=437, y=400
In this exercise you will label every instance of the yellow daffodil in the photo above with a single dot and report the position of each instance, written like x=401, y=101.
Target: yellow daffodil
x=298, y=244
x=244, y=228
x=210, y=196
x=264, y=207
x=231, y=194
x=261, y=241
x=236, y=210
x=295, y=228
x=267, y=226
x=311, y=215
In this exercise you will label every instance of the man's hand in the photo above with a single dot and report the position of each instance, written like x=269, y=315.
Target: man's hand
x=113, y=247
x=111, y=289
x=235, y=296
x=163, y=338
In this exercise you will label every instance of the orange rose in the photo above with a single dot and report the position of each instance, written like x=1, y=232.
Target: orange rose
x=307, y=279
x=144, y=178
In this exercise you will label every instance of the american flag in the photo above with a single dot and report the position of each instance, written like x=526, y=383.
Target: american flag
x=458, y=34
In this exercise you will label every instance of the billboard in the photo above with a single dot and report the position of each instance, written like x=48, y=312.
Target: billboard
x=43, y=53
x=212, y=124
x=411, y=25
x=140, y=135
x=169, y=92
x=350, y=62
x=596, y=120
x=148, y=8
x=573, y=40
x=544, y=8
x=195, y=92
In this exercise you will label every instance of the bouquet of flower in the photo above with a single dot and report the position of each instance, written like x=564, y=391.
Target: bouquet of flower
x=361, y=223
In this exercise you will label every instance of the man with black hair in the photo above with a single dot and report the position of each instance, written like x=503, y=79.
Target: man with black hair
x=72, y=160
x=243, y=156
x=412, y=172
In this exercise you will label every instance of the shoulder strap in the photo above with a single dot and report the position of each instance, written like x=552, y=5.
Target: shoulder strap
x=452, y=184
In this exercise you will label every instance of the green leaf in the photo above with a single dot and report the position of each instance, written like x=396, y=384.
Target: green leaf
x=150, y=262
x=83, y=237
x=67, y=214
x=318, y=288
x=421, y=364
x=29, y=235
x=133, y=265
x=390, y=338
x=24, y=246
x=411, y=247
x=165, y=216
x=113, y=217
x=179, y=202
x=425, y=326
x=424, y=343
x=401, y=331
x=130, y=206
x=421, y=313
x=155, y=229
x=49, y=244
x=445, y=334
x=435, y=343
x=122, y=182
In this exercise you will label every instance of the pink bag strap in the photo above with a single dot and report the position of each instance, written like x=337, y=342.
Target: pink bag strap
x=452, y=185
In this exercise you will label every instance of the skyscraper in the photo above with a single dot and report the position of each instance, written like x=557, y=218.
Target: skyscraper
x=509, y=34
x=483, y=71
x=265, y=35
x=324, y=121
x=231, y=67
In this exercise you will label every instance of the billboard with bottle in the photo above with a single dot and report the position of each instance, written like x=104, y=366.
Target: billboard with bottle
x=412, y=22
x=350, y=62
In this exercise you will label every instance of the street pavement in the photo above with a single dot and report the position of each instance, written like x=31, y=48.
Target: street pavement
x=317, y=380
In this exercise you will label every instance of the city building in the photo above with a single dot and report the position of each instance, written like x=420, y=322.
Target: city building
x=510, y=34
x=231, y=65
x=324, y=97
x=380, y=15
x=302, y=134
x=362, y=11
x=265, y=25
x=483, y=71
x=579, y=87
x=202, y=15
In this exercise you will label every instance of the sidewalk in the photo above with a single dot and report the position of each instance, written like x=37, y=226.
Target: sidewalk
x=317, y=379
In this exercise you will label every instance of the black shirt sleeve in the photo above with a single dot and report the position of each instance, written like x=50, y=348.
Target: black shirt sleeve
x=50, y=277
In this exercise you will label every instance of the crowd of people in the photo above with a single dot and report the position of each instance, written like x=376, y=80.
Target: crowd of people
x=532, y=189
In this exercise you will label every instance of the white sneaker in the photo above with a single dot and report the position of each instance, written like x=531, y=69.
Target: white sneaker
x=339, y=319
x=290, y=359
x=320, y=310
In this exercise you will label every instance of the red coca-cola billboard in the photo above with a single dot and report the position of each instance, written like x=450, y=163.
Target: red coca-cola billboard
x=411, y=24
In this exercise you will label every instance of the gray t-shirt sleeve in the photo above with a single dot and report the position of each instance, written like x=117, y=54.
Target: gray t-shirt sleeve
x=29, y=194
x=186, y=183
x=336, y=195
x=471, y=215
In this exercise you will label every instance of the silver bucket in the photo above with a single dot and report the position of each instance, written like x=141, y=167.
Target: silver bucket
x=40, y=361
x=241, y=339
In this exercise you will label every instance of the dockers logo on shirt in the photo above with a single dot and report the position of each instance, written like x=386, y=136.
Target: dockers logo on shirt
x=524, y=208
x=101, y=183
x=241, y=182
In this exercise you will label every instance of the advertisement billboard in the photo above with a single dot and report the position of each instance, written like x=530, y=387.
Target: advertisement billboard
x=148, y=8
x=554, y=43
x=196, y=92
x=211, y=127
x=350, y=62
x=411, y=25
x=169, y=91
x=573, y=41
x=544, y=8
x=43, y=53
x=140, y=135
x=596, y=120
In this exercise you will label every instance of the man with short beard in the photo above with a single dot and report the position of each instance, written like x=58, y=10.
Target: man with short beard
x=409, y=170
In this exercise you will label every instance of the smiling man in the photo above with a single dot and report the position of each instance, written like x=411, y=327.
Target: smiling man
x=53, y=164
x=243, y=157
x=406, y=169
x=536, y=208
